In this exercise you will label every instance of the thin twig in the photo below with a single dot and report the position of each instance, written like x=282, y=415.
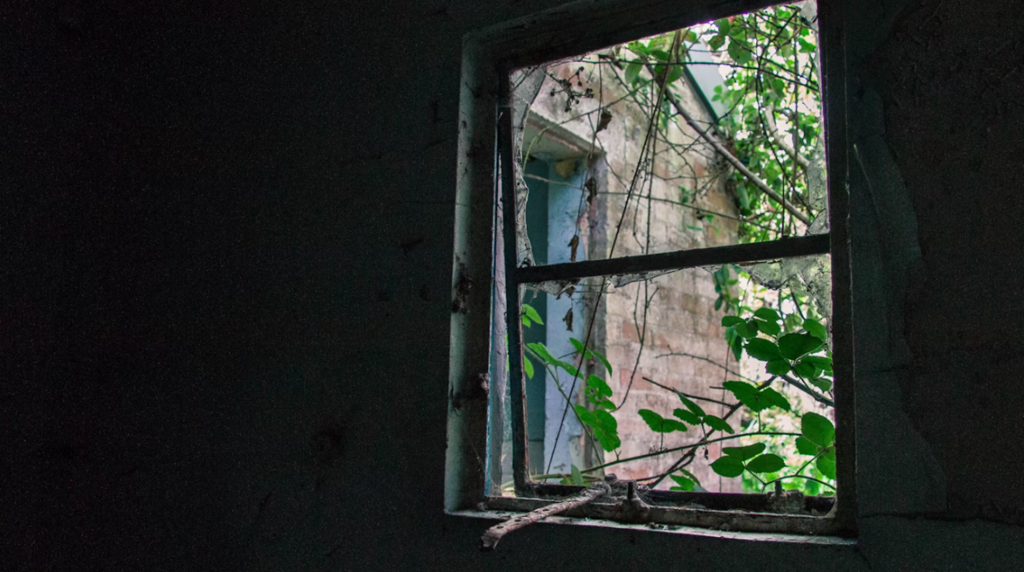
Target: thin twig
x=698, y=444
x=687, y=395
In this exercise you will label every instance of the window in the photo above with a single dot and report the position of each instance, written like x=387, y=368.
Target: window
x=482, y=452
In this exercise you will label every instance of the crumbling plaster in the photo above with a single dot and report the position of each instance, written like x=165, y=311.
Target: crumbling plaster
x=226, y=272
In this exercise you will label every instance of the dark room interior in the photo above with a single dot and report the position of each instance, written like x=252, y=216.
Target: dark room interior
x=228, y=278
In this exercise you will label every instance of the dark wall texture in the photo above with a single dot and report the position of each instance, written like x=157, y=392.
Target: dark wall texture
x=226, y=237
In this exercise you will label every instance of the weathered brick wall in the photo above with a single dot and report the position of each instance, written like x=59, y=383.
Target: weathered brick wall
x=681, y=315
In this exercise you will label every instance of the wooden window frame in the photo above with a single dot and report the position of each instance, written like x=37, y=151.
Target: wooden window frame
x=488, y=57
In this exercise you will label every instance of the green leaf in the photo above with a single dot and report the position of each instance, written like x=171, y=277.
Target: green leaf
x=659, y=424
x=660, y=55
x=605, y=421
x=728, y=466
x=739, y=388
x=577, y=476
x=718, y=424
x=723, y=25
x=820, y=383
x=731, y=320
x=608, y=441
x=793, y=322
x=815, y=328
x=532, y=314
x=774, y=398
x=542, y=351
x=600, y=357
x=632, y=71
x=684, y=483
x=691, y=405
x=673, y=425
x=818, y=429
x=827, y=464
x=767, y=314
x=604, y=426
x=676, y=73
x=744, y=453
x=793, y=346
x=767, y=463
x=578, y=345
x=568, y=367
x=716, y=42
x=598, y=386
x=687, y=416
x=736, y=343
x=822, y=363
x=806, y=369
x=806, y=447
x=770, y=328
x=528, y=367
x=747, y=329
x=763, y=350
x=639, y=48
x=778, y=367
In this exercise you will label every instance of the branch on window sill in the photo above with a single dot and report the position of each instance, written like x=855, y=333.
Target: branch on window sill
x=491, y=537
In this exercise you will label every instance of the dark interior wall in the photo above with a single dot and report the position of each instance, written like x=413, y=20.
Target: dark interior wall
x=226, y=238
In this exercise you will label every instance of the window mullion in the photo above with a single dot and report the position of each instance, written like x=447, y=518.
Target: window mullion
x=678, y=260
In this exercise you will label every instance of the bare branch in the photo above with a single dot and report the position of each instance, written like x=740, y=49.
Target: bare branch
x=773, y=130
x=736, y=163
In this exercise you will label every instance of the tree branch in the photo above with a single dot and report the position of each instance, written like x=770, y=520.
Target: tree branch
x=736, y=163
x=773, y=130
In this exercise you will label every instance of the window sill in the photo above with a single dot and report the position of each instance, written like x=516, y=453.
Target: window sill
x=590, y=515
x=687, y=515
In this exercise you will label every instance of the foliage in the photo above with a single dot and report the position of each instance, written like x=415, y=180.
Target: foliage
x=774, y=128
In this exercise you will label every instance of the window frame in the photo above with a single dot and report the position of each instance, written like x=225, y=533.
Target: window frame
x=577, y=28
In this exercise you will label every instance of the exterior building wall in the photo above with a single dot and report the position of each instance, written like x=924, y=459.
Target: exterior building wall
x=681, y=317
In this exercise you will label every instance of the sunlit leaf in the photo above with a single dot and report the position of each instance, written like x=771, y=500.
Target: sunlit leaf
x=632, y=71
x=682, y=483
x=532, y=314
x=815, y=328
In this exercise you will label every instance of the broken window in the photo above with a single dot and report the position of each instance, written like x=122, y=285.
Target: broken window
x=662, y=306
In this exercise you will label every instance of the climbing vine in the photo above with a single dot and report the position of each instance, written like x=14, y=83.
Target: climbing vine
x=769, y=144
